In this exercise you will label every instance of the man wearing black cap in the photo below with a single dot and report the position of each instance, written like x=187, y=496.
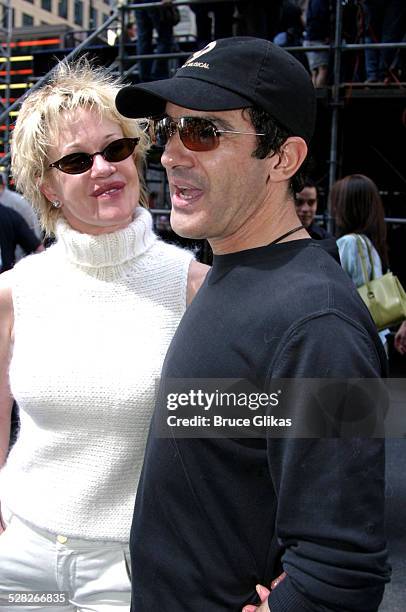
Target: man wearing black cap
x=217, y=516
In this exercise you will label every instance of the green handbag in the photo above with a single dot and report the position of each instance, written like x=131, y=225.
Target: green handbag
x=384, y=296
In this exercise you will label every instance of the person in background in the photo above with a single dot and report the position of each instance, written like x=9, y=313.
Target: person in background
x=84, y=327
x=16, y=202
x=259, y=18
x=147, y=20
x=385, y=23
x=206, y=13
x=291, y=28
x=306, y=201
x=130, y=33
x=358, y=210
x=129, y=39
x=14, y=232
x=400, y=339
x=317, y=32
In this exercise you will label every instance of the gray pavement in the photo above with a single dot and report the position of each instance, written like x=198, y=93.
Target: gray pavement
x=395, y=593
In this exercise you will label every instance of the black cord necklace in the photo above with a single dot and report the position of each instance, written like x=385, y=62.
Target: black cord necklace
x=292, y=231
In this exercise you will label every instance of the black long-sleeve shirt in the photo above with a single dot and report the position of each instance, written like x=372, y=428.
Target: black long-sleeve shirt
x=214, y=517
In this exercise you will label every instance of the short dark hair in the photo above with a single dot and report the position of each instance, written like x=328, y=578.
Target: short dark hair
x=308, y=182
x=274, y=137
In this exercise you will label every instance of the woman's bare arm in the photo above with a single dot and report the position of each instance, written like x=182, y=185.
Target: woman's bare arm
x=6, y=336
x=197, y=274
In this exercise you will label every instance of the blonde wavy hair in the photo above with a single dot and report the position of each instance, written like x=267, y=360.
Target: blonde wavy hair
x=72, y=86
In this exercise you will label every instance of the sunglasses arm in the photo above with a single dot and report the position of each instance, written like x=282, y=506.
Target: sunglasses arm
x=236, y=132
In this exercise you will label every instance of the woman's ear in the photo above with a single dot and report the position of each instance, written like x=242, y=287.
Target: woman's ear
x=47, y=190
x=287, y=161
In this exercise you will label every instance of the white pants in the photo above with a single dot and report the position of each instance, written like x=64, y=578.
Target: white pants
x=95, y=575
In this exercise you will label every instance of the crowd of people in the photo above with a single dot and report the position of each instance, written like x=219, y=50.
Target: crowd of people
x=307, y=23
x=96, y=503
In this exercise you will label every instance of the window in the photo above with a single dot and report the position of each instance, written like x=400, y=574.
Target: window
x=78, y=10
x=105, y=17
x=28, y=20
x=93, y=17
x=63, y=9
x=46, y=5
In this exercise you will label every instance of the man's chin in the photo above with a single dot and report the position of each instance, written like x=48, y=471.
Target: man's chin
x=186, y=230
x=191, y=233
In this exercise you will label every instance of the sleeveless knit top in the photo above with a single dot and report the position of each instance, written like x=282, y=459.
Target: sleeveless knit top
x=94, y=316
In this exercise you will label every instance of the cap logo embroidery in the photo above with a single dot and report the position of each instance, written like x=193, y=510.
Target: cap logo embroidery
x=191, y=61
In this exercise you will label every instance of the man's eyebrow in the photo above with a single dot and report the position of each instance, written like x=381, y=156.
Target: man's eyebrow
x=218, y=121
x=221, y=123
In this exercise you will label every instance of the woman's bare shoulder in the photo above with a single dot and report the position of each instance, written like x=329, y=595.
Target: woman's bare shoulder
x=6, y=299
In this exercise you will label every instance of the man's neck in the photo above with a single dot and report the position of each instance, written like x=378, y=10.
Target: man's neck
x=263, y=227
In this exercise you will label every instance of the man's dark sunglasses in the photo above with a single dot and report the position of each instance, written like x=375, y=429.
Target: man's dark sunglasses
x=196, y=133
x=116, y=151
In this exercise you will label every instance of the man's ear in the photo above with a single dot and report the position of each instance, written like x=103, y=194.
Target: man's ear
x=284, y=164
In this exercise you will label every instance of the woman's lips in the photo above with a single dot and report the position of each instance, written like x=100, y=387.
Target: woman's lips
x=109, y=191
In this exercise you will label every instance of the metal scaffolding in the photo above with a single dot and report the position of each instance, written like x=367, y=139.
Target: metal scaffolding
x=5, y=59
x=334, y=96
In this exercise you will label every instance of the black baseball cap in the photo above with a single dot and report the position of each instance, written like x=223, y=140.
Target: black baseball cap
x=228, y=74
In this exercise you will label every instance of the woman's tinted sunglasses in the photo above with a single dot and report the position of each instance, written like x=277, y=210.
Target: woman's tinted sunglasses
x=116, y=151
x=196, y=133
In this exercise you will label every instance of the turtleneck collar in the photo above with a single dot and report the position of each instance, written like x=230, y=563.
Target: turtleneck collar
x=105, y=250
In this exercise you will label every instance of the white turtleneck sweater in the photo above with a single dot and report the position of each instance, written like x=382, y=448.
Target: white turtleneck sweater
x=94, y=316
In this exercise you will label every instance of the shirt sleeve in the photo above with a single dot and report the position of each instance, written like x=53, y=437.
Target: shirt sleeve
x=25, y=237
x=330, y=519
x=347, y=248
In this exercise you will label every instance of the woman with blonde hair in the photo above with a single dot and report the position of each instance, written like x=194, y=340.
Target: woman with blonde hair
x=84, y=330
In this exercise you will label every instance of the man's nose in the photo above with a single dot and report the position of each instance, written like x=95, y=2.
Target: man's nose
x=176, y=154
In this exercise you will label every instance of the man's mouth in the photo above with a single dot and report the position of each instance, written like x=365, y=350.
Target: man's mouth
x=185, y=195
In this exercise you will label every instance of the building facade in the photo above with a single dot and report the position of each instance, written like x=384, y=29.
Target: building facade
x=78, y=14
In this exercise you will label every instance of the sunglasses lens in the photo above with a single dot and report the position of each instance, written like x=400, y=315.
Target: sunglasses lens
x=198, y=134
x=75, y=163
x=162, y=131
x=118, y=150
